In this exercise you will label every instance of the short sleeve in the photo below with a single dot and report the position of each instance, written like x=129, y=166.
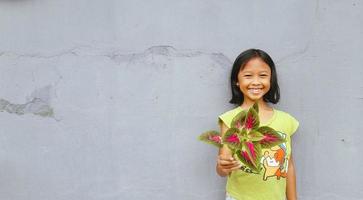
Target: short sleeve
x=294, y=125
x=225, y=119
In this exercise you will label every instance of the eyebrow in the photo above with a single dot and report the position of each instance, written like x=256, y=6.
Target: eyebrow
x=252, y=72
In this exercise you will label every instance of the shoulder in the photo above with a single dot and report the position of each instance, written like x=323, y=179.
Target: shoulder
x=285, y=114
x=227, y=116
x=234, y=111
x=290, y=121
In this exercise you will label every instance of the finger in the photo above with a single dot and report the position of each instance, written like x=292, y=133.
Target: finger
x=222, y=157
x=224, y=162
x=238, y=167
x=226, y=157
x=227, y=166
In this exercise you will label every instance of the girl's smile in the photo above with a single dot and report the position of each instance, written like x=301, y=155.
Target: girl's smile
x=255, y=90
x=254, y=79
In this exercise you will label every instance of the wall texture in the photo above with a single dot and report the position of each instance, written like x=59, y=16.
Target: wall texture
x=104, y=100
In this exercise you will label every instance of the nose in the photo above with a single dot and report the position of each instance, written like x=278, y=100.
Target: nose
x=256, y=81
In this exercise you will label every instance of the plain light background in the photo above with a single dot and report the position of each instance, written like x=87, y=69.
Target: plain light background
x=105, y=99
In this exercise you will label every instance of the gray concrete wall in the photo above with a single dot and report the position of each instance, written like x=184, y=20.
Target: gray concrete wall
x=105, y=99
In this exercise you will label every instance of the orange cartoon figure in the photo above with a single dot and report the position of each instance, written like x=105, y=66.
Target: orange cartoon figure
x=275, y=162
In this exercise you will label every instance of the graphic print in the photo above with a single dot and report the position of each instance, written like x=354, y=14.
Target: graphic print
x=275, y=161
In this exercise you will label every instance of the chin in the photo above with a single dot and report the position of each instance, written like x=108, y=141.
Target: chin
x=254, y=99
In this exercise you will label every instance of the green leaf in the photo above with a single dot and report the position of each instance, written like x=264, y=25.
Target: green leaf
x=271, y=137
x=246, y=157
x=239, y=120
x=255, y=136
x=254, y=152
x=255, y=106
x=211, y=137
x=232, y=138
x=252, y=120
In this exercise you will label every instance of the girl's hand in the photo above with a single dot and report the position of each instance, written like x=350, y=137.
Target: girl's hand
x=226, y=164
x=225, y=161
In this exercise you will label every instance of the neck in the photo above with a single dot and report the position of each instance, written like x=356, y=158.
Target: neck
x=261, y=104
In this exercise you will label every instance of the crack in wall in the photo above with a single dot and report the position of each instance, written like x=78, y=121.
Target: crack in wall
x=37, y=105
x=162, y=54
x=35, y=55
x=148, y=55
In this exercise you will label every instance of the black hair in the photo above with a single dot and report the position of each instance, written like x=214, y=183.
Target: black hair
x=273, y=95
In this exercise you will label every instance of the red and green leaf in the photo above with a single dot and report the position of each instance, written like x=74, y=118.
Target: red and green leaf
x=239, y=120
x=250, y=155
x=255, y=136
x=211, y=137
x=270, y=137
x=254, y=151
x=252, y=120
x=246, y=138
x=232, y=138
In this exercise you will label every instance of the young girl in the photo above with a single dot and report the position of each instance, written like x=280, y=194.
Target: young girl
x=254, y=79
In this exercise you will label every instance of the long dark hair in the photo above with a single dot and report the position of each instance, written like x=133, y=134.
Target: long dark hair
x=273, y=95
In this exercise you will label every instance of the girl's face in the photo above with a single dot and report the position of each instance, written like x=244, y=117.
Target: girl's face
x=254, y=79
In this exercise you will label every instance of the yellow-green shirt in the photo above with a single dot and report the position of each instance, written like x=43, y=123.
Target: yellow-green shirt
x=270, y=184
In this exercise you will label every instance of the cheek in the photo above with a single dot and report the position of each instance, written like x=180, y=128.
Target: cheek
x=268, y=84
x=239, y=78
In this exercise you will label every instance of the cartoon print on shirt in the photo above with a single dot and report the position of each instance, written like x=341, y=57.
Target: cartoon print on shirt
x=275, y=161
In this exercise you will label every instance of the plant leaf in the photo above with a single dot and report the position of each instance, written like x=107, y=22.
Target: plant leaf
x=244, y=158
x=252, y=120
x=239, y=120
x=255, y=106
x=211, y=137
x=250, y=155
x=232, y=138
x=271, y=137
x=254, y=152
x=255, y=136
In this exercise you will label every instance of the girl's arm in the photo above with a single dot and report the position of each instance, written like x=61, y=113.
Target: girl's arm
x=291, y=181
x=225, y=161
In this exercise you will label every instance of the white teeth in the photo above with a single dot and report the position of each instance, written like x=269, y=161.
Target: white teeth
x=255, y=90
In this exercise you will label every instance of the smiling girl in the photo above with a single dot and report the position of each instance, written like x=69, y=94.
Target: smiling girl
x=254, y=79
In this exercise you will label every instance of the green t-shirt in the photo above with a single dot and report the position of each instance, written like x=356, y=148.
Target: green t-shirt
x=270, y=184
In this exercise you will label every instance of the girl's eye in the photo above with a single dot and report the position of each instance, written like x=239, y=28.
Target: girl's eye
x=263, y=75
x=247, y=75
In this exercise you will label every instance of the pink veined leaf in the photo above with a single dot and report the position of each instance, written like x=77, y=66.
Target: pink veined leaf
x=238, y=124
x=270, y=137
x=250, y=155
x=233, y=138
x=239, y=120
x=252, y=120
x=251, y=147
x=211, y=137
x=216, y=138
x=247, y=158
x=255, y=136
x=249, y=121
